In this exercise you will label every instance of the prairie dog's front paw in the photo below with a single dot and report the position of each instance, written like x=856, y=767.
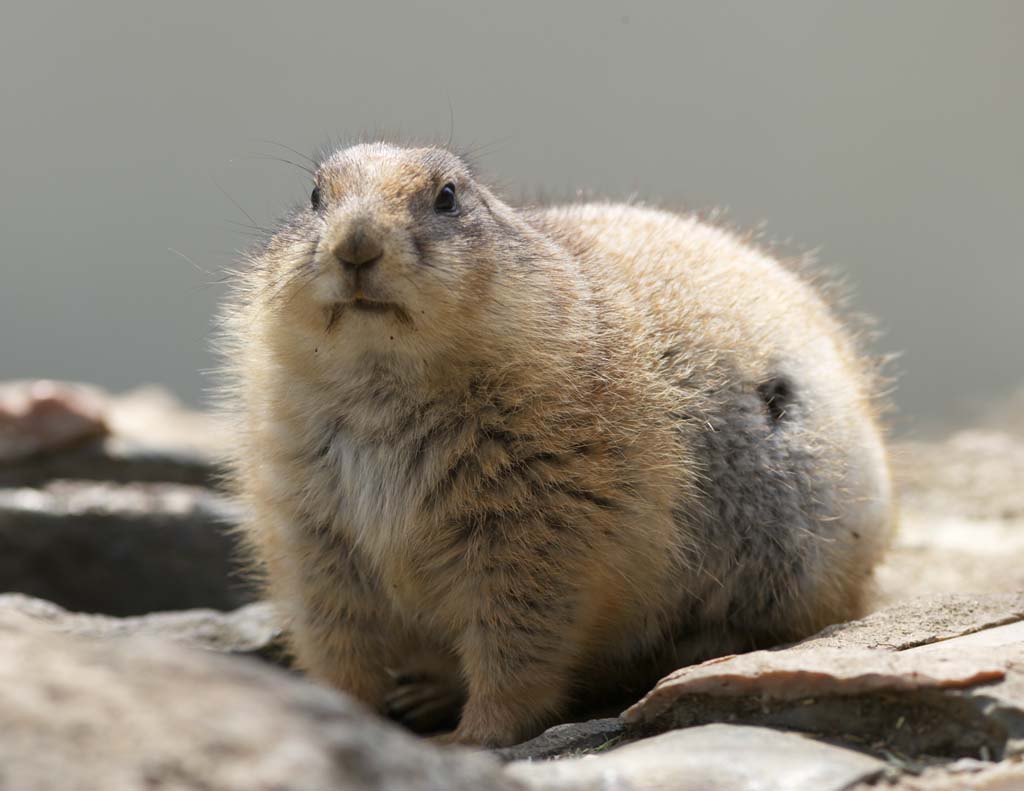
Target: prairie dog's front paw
x=478, y=732
x=426, y=704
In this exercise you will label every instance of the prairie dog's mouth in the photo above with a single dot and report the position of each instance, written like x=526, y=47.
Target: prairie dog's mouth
x=372, y=305
x=366, y=306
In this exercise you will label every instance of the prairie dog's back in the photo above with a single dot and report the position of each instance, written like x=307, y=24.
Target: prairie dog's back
x=723, y=321
x=718, y=305
x=694, y=282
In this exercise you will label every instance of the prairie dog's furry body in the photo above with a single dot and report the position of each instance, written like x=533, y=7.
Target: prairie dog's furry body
x=559, y=452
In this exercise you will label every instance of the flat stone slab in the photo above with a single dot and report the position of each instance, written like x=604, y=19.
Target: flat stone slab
x=65, y=430
x=121, y=549
x=42, y=416
x=252, y=629
x=961, y=515
x=965, y=775
x=117, y=459
x=143, y=713
x=795, y=675
x=921, y=621
x=975, y=474
x=707, y=758
x=946, y=553
x=1006, y=641
x=958, y=697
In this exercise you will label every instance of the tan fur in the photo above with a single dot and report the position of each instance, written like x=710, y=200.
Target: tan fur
x=576, y=447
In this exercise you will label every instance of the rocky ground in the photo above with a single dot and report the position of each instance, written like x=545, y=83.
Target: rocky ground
x=136, y=657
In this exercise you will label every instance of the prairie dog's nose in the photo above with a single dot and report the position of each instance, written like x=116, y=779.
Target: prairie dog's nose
x=358, y=248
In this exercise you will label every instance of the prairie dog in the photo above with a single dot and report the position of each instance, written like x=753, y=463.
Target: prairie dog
x=556, y=452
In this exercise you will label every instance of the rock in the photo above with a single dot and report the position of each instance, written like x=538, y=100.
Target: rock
x=114, y=459
x=142, y=713
x=719, y=757
x=974, y=474
x=965, y=775
x=52, y=431
x=41, y=416
x=153, y=416
x=796, y=675
x=571, y=738
x=252, y=629
x=961, y=696
x=121, y=549
x=921, y=621
x=979, y=643
x=961, y=517
x=1001, y=704
x=936, y=553
x=922, y=681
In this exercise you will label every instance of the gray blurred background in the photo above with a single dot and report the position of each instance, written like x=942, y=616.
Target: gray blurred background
x=886, y=135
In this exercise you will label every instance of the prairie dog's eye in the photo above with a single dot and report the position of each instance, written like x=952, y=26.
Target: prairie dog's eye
x=314, y=198
x=445, y=202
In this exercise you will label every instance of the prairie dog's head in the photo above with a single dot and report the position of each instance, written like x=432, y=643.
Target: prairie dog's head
x=401, y=252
